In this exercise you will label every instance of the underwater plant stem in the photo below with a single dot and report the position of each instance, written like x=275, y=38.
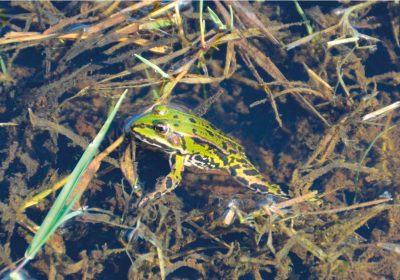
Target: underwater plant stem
x=161, y=261
x=351, y=207
x=202, y=25
x=304, y=17
x=356, y=179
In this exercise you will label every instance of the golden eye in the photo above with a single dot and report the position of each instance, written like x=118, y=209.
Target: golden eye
x=161, y=128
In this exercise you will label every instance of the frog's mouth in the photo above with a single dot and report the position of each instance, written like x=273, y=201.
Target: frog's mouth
x=132, y=119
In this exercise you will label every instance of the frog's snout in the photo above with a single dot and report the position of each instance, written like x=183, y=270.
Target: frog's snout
x=130, y=121
x=128, y=124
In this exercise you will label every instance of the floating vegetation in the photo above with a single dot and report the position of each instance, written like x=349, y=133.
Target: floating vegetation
x=310, y=89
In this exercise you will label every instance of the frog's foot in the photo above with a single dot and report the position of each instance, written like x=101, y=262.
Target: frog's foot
x=270, y=199
x=270, y=205
x=164, y=186
x=169, y=182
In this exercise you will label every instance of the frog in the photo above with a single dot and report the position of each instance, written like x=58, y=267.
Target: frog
x=192, y=141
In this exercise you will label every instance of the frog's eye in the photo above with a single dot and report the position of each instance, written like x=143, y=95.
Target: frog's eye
x=161, y=128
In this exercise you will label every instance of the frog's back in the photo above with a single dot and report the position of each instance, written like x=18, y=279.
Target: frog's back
x=202, y=130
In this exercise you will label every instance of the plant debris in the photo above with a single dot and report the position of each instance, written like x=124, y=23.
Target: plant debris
x=311, y=89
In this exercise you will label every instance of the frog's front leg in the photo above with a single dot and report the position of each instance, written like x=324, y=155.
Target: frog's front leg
x=169, y=182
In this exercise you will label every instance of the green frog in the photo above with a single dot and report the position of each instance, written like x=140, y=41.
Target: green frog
x=192, y=141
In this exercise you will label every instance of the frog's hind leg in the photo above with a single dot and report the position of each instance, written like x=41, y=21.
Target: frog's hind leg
x=169, y=182
x=248, y=176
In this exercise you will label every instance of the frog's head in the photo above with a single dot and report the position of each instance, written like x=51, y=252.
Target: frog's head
x=155, y=126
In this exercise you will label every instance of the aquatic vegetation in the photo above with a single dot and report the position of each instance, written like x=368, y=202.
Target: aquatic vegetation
x=311, y=90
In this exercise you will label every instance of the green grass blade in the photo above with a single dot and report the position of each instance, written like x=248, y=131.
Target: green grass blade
x=231, y=14
x=202, y=24
x=304, y=17
x=216, y=19
x=152, y=65
x=2, y=65
x=64, y=201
